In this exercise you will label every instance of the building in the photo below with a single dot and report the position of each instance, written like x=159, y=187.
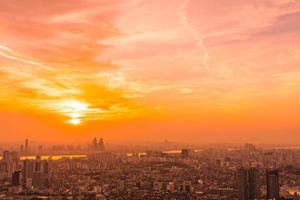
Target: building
x=9, y=156
x=248, y=183
x=242, y=178
x=185, y=153
x=219, y=163
x=27, y=172
x=272, y=184
x=249, y=147
x=97, y=145
x=10, y=163
x=187, y=186
x=254, y=191
x=35, y=173
x=16, y=178
x=26, y=146
x=170, y=187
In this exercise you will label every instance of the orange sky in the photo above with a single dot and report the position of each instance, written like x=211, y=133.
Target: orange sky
x=138, y=70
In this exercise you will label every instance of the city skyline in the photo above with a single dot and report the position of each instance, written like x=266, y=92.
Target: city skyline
x=130, y=71
x=246, y=172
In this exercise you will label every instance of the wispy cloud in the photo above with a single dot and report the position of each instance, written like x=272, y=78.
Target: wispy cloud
x=195, y=32
x=75, y=94
x=10, y=54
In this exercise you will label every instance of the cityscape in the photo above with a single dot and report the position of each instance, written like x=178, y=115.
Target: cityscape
x=243, y=172
x=149, y=99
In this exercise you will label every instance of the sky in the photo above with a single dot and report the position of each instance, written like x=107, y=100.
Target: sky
x=197, y=71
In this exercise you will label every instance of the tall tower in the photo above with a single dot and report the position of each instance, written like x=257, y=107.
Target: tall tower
x=242, y=176
x=101, y=145
x=253, y=183
x=26, y=146
x=94, y=143
x=272, y=184
x=248, y=183
x=27, y=173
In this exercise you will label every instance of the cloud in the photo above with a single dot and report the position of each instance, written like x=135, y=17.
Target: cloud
x=186, y=91
x=199, y=40
x=71, y=93
x=52, y=32
x=9, y=54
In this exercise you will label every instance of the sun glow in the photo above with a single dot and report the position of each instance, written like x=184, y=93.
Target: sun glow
x=75, y=121
x=74, y=109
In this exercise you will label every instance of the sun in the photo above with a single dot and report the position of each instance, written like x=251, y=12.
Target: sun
x=75, y=121
x=74, y=109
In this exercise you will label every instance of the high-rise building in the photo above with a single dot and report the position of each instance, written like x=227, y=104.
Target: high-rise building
x=101, y=145
x=254, y=191
x=16, y=178
x=27, y=171
x=219, y=163
x=248, y=183
x=242, y=178
x=35, y=172
x=249, y=147
x=97, y=145
x=26, y=146
x=94, y=143
x=185, y=153
x=6, y=156
x=9, y=156
x=10, y=162
x=272, y=184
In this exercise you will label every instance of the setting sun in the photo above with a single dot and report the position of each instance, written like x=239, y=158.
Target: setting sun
x=75, y=121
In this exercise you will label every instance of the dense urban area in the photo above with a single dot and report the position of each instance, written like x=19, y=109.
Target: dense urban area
x=245, y=172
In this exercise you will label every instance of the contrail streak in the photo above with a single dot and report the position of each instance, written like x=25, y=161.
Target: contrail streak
x=6, y=53
x=194, y=31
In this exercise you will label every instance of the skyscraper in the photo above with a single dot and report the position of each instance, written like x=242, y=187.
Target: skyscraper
x=27, y=172
x=26, y=146
x=11, y=160
x=248, y=183
x=272, y=184
x=101, y=144
x=253, y=183
x=35, y=172
x=16, y=178
x=97, y=145
x=242, y=176
x=185, y=153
